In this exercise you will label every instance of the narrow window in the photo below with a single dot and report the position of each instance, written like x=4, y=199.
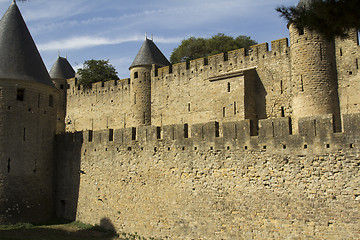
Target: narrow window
x=189, y=107
x=235, y=131
x=301, y=31
x=134, y=98
x=133, y=133
x=186, y=130
x=340, y=52
x=136, y=74
x=20, y=94
x=302, y=83
x=39, y=101
x=224, y=112
x=315, y=127
x=61, y=86
x=158, y=132
x=217, y=129
x=8, y=166
x=357, y=64
x=24, y=134
x=228, y=87
x=234, y=108
x=111, y=135
x=35, y=166
x=282, y=112
x=90, y=135
x=281, y=87
x=102, y=84
x=51, y=101
x=273, y=129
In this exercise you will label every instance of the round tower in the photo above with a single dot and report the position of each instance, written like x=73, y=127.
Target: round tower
x=27, y=125
x=313, y=74
x=59, y=73
x=140, y=82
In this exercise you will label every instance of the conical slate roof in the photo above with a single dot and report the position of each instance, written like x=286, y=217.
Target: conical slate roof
x=19, y=57
x=150, y=54
x=62, y=69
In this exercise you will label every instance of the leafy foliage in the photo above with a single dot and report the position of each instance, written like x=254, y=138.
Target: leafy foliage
x=96, y=71
x=332, y=18
x=193, y=48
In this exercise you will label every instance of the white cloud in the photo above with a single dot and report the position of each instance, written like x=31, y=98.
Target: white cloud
x=88, y=41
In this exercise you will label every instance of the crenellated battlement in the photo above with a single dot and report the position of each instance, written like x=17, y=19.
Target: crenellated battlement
x=316, y=135
x=225, y=62
x=98, y=87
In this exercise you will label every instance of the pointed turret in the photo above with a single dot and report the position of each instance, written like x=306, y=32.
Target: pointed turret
x=19, y=57
x=140, y=78
x=59, y=73
x=148, y=55
x=62, y=69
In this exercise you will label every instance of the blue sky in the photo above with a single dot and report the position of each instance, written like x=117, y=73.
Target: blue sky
x=115, y=29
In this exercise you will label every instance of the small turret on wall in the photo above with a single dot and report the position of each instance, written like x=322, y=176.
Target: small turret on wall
x=140, y=82
x=59, y=73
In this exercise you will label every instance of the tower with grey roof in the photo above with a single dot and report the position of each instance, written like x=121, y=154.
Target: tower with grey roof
x=59, y=73
x=140, y=82
x=27, y=125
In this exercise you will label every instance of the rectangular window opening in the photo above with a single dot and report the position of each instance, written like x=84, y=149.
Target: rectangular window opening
x=51, y=101
x=8, y=165
x=189, y=107
x=224, y=112
x=111, y=135
x=302, y=83
x=217, y=129
x=24, y=134
x=228, y=87
x=133, y=133
x=158, y=132
x=136, y=74
x=282, y=112
x=234, y=108
x=301, y=31
x=90, y=136
x=61, y=86
x=20, y=94
x=186, y=130
x=281, y=87
x=357, y=63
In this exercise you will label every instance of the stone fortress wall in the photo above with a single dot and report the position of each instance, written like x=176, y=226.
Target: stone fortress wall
x=224, y=155
x=215, y=180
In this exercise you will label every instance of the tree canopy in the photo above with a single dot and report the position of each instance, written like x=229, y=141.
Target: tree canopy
x=96, y=71
x=193, y=48
x=332, y=18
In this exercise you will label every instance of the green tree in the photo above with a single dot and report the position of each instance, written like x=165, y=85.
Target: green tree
x=96, y=71
x=193, y=48
x=332, y=18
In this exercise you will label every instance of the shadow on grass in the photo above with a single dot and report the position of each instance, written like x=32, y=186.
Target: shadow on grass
x=71, y=231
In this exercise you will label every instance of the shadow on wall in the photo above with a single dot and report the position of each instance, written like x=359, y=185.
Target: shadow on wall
x=75, y=231
x=67, y=174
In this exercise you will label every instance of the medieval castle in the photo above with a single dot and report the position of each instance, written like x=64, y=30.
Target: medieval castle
x=252, y=144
